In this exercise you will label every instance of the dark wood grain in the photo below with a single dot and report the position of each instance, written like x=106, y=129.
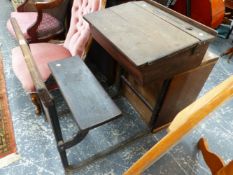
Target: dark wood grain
x=140, y=39
x=89, y=103
x=40, y=5
x=147, y=41
x=183, y=90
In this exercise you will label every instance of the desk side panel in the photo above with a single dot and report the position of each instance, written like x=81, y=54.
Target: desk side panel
x=183, y=90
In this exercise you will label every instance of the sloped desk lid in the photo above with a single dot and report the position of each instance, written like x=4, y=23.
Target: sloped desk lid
x=145, y=33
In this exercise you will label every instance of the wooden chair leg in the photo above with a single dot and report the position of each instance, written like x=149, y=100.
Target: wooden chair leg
x=36, y=101
x=227, y=170
x=214, y=162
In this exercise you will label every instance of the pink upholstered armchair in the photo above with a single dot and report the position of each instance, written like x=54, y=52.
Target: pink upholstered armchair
x=76, y=43
x=39, y=25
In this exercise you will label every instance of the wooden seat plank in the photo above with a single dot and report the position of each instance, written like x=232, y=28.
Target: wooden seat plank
x=90, y=105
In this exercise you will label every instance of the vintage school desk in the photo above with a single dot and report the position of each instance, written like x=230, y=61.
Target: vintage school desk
x=154, y=45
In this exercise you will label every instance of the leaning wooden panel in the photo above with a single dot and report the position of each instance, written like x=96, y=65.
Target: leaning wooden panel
x=186, y=120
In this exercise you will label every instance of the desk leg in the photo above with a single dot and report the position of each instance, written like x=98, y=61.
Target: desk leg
x=159, y=103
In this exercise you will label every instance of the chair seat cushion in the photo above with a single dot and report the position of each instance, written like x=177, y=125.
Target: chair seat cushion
x=48, y=26
x=43, y=53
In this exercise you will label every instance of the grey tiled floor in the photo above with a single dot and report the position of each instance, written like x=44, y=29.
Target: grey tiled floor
x=36, y=146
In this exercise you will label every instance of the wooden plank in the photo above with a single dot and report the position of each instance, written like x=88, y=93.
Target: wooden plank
x=186, y=120
x=31, y=65
x=142, y=40
x=166, y=38
x=89, y=103
x=39, y=84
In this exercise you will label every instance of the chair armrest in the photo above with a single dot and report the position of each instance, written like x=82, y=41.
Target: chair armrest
x=39, y=84
x=47, y=4
x=33, y=70
x=40, y=5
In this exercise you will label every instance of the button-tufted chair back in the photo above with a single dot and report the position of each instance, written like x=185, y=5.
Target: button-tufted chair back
x=78, y=35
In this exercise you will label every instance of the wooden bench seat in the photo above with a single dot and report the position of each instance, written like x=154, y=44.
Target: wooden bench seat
x=89, y=103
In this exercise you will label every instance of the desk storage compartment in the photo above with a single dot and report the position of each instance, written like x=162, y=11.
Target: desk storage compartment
x=182, y=91
x=150, y=41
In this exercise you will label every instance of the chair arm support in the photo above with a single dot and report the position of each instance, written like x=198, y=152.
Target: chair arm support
x=47, y=4
x=40, y=6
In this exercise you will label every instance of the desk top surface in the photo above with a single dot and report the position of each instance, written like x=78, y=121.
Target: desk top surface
x=145, y=33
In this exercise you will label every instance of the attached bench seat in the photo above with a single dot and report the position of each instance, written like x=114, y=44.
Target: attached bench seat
x=89, y=103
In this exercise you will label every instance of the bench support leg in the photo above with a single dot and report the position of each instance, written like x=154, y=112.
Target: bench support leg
x=109, y=151
x=62, y=146
x=58, y=134
x=73, y=141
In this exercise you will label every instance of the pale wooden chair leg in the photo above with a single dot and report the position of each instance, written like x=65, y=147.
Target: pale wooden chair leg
x=214, y=162
x=36, y=101
x=227, y=170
